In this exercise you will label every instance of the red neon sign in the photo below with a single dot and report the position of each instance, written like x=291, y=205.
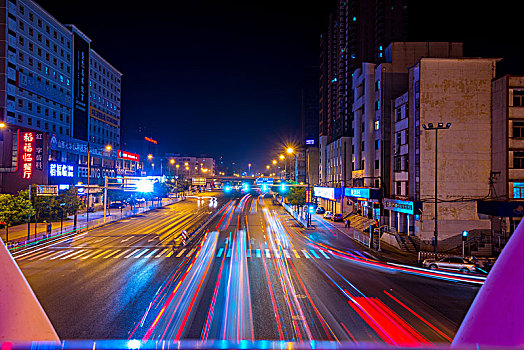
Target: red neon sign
x=26, y=151
x=127, y=155
x=150, y=140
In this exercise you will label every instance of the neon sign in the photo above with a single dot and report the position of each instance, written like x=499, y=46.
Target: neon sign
x=27, y=152
x=150, y=140
x=61, y=170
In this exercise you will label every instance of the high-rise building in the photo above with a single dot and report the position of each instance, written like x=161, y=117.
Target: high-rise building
x=309, y=112
x=358, y=31
x=54, y=84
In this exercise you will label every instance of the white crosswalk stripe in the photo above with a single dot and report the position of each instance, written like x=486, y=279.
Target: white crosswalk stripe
x=165, y=253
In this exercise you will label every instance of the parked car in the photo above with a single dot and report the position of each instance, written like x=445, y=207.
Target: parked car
x=91, y=209
x=320, y=210
x=451, y=263
x=337, y=217
x=116, y=205
x=328, y=215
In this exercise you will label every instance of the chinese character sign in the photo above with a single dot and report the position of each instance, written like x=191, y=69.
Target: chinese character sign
x=27, y=153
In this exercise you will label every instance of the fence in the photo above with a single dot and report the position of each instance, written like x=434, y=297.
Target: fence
x=84, y=226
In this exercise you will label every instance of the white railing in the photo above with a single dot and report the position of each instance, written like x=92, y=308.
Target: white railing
x=83, y=226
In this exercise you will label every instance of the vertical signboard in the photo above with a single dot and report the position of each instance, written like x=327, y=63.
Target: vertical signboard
x=80, y=87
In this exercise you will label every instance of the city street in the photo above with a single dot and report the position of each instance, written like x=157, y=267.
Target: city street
x=252, y=274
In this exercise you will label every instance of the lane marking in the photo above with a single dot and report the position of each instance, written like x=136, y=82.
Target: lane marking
x=133, y=252
x=248, y=253
x=228, y=255
x=277, y=253
x=286, y=253
x=190, y=252
x=258, y=253
x=119, y=255
x=314, y=254
x=99, y=255
x=267, y=254
x=74, y=253
x=79, y=255
x=153, y=251
x=96, y=251
x=305, y=254
x=163, y=251
x=220, y=251
x=325, y=255
x=142, y=253
x=296, y=254
x=113, y=253
x=59, y=255
x=180, y=253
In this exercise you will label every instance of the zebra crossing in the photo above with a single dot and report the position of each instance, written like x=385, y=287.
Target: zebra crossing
x=85, y=253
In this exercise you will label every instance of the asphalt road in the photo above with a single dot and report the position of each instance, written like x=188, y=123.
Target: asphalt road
x=252, y=274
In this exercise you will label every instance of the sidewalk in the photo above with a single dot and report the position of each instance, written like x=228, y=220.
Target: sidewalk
x=360, y=241
x=18, y=234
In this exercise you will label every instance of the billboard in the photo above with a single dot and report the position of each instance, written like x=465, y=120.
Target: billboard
x=199, y=181
x=80, y=87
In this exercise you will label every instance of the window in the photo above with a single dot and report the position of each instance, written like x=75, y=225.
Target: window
x=21, y=103
x=518, y=98
x=399, y=188
x=21, y=9
x=518, y=190
x=518, y=160
x=21, y=40
x=518, y=128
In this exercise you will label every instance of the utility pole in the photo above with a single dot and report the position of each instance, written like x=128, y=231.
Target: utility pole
x=439, y=126
x=105, y=197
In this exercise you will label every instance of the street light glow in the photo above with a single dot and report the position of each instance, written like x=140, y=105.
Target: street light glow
x=290, y=150
x=149, y=156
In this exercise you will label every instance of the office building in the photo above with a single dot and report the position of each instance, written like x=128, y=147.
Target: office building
x=442, y=90
x=48, y=88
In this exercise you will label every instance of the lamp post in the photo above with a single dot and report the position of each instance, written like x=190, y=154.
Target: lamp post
x=436, y=128
x=291, y=150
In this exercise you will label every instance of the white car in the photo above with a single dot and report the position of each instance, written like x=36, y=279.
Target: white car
x=451, y=263
x=328, y=215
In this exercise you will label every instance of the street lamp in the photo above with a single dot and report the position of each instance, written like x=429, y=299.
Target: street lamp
x=290, y=151
x=249, y=169
x=436, y=128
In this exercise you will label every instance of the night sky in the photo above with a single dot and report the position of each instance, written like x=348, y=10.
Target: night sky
x=224, y=77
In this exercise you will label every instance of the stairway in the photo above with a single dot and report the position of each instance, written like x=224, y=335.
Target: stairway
x=359, y=222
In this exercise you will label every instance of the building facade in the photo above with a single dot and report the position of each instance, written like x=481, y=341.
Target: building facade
x=442, y=90
x=54, y=83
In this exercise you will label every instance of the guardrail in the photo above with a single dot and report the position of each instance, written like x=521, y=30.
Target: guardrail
x=84, y=226
x=297, y=217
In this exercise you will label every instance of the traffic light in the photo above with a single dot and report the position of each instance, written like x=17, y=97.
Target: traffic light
x=464, y=235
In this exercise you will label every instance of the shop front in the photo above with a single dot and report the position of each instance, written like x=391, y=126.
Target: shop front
x=403, y=214
x=365, y=201
x=329, y=197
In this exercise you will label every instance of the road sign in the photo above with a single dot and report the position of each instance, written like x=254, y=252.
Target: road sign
x=47, y=190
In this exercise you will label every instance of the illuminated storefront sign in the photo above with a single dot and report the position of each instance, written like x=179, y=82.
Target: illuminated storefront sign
x=399, y=206
x=150, y=140
x=362, y=192
x=81, y=50
x=103, y=117
x=27, y=153
x=127, y=155
x=61, y=170
x=327, y=192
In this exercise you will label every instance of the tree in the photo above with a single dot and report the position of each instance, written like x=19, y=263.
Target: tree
x=160, y=190
x=297, y=196
x=15, y=210
x=72, y=203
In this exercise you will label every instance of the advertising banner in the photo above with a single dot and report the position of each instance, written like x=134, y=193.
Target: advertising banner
x=80, y=87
